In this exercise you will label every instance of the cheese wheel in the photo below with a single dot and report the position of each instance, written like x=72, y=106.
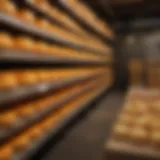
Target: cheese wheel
x=44, y=24
x=24, y=43
x=155, y=138
x=143, y=121
x=130, y=110
x=27, y=15
x=42, y=3
x=8, y=7
x=6, y=153
x=25, y=111
x=126, y=120
x=8, y=80
x=27, y=78
x=42, y=75
x=35, y=133
x=30, y=78
x=141, y=107
x=20, y=143
x=6, y=41
x=8, y=120
x=41, y=106
x=121, y=132
x=139, y=135
x=155, y=123
x=55, y=50
x=42, y=47
x=47, y=125
x=156, y=107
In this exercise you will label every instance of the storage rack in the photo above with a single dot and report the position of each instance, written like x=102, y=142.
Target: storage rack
x=60, y=126
x=69, y=6
x=8, y=20
x=96, y=83
x=123, y=148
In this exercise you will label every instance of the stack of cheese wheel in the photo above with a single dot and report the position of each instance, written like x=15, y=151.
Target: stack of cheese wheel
x=16, y=78
x=22, y=112
x=138, y=122
x=29, y=17
x=24, y=43
x=62, y=17
x=85, y=13
x=20, y=143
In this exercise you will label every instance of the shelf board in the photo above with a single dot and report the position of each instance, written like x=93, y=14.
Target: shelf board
x=116, y=150
x=25, y=124
x=8, y=55
x=60, y=126
x=23, y=93
x=31, y=29
x=108, y=40
x=63, y=25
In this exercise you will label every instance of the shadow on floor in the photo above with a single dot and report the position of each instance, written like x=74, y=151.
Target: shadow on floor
x=86, y=139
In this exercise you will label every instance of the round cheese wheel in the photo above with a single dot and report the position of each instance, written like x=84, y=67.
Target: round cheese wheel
x=25, y=111
x=35, y=133
x=155, y=138
x=143, y=121
x=42, y=76
x=129, y=110
x=6, y=152
x=139, y=135
x=27, y=15
x=42, y=48
x=141, y=107
x=154, y=123
x=47, y=125
x=155, y=106
x=8, y=80
x=126, y=120
x=6, y=41
x=43, y=4
x=121, y=132
x=20, y=143
x=8, y=7
x=24, y=43
x=44, y=24
x=8, y=119
x=28, y=78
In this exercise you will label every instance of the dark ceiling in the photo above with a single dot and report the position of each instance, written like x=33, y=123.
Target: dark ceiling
x=127, y=9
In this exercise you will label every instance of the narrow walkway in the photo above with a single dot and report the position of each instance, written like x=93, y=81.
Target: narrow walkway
x=85, y=141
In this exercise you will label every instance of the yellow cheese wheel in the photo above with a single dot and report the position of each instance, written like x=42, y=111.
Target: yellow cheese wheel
x=155, y=138
x=8, y=80
x=47, y=125
x=35, y=133
x=41, y=47
x=25, y=111
x=126, y=119
x=6, y=41
x=44, y=24
x=42, y=3
x=27, y=15
x=8, y=7
x=121, y=132
x=27, y=77
x=6, y=152
x=20, y=143
x=139, y=135
x=8, y=119
x=24, y=43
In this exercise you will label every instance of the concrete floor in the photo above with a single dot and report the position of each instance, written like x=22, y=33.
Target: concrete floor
x=85, y=141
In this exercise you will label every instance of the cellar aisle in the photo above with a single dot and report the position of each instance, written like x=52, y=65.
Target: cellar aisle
x=86, y=139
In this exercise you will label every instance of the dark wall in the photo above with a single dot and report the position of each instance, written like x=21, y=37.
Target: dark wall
x=144, y=45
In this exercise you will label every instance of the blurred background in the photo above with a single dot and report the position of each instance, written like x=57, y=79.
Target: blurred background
x=79, y=79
